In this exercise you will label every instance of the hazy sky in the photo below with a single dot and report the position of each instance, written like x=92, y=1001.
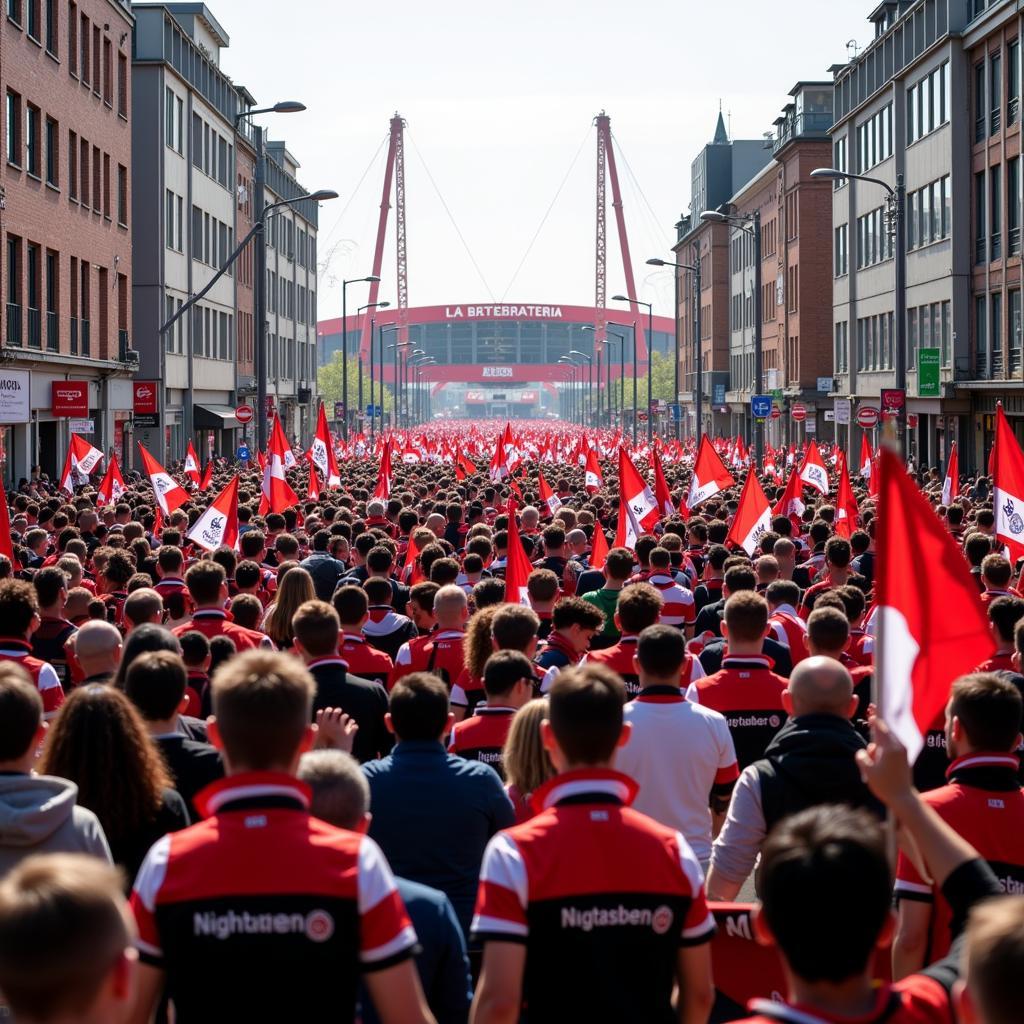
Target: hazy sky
x=499, y=100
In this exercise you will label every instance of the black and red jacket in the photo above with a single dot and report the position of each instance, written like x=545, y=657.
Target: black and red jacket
x=482, y=737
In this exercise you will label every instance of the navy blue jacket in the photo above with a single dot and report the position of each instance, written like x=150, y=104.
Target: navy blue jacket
x=433, y=814
x=442, y=963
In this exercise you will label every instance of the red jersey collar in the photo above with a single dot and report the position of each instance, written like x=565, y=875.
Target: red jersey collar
x=660, y=695
x=252, y=786
x=983, y=759
x=209, y=613
x=583, y=782
x=747, y=661
x=329, y=659
x=558, y=643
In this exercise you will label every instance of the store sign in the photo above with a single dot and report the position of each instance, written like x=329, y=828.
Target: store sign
x=843, y=410
x=82, y=426
x=497, y=371
x=145, y=397
x=928, y=373
x=69, y=398
x=503, y=312
x=15, y=396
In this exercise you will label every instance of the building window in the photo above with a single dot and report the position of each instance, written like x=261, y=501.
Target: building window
x=996, y=335
x=1013, y=205
x=181, y=225
x=980, y=212
x=52, y=300
x=97, y=182
x=32, y=28
x=980, y=338
x=51, y=26
x=97, y=66
x=13, y=290
x=874, y=139
x=840, y=250
x=197, y=233
x=842, y=350
x=73, y=38
x=32, y=271
x=928, y=104
x=83, y=167
x=995, y=97
x=929, y=213
x=874, y=242
x=108, y=73
x=179, y=118
x=197, y=140
x=169, y=219
x=122, y=85
x=995, y=176
x=1013, y=82
x=72, y=166
x=32, y=140
x=979, y=102
x=14, y=10
x=52, y=152
x=13, y=128
x=122, y=195
x=83, y=49
x=169, y=116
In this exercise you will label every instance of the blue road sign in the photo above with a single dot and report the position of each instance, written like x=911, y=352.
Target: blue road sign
x=373, y=410
x=243, y=453
x=761, y=406
x=676, y=411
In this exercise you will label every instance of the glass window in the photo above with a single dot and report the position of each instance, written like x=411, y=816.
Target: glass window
x=912, y=338
x=947, y=336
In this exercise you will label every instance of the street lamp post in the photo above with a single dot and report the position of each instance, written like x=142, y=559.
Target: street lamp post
x=574, y=403
x=380, y=343
x=371, y=278
x=622, y=370
x=650, y=364
x=897, y=203
x=675, y=320
x=588, y=404
x=750, y=225
x=373, y=321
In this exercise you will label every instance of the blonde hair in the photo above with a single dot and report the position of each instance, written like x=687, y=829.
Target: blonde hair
x=526, y=762
x=292, y=593
x=478, y=643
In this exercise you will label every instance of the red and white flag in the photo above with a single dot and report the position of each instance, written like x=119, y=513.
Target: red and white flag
x=951, y=485
x=204, y=484
x=507, y=458
x=517, y=568
x=709, y=475
x=322, y=451
x=81, y=460
x=753, y=516
x=277, y=494
x=791, y=503
x=813, y=471
x=218, y=525
x=112, y=484
x=1008, y=487
x=383, y=488
x=592, y=474
x=169, y=493
x=548, y=496
x=661, y=491
x=865, y=457
x=6, y=543
x=313, y=487
x=846, y=503
x=638, y=507
x=192, y=464
x=930, y=627
x=598, y=548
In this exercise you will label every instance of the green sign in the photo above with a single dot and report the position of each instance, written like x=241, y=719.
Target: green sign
x=776, y=393
x=928, y=373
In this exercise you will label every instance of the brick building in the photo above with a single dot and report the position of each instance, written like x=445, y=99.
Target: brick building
x=65, y=75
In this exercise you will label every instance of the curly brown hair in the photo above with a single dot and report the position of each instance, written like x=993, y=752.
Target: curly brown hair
x=478, y=644
x=99, y=742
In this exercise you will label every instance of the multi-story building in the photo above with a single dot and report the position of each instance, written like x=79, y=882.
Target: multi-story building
x=65, y=213
x=898, y=116
x=291, y=298
x=195, y=175
x=716, y=174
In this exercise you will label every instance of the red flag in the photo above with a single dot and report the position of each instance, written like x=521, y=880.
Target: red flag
x=547, y=496
x=313, y=488
x=1008, y=489
x=204, y=484
x=592, y=473
x=81, y=460
x=6, y=544
x=661, y=491
x=638, y=508
x=277, y=492
x=517, y=568
x=218, y=525
x=846, y=503
x=464, y=464
x=753, y=516
x=112, y=484
x=169, y=494
x=930, y=626
x=709, y=475
x=792, y=501
x=951, y=485
x=865, y=456
x=383, y=488
x=813, y=471
x=322, y=451
x=192, y=464
x=412, y=571
x=598, y=548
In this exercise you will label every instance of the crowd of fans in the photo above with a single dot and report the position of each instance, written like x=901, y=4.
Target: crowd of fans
x=332, y=774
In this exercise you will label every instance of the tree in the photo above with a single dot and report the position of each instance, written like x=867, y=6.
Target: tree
x=663, y=383
x=329, y=382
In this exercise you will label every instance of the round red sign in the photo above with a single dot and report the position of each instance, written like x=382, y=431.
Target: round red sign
x=243, y=413
x=912, y=420
x=798, y=412
x=867, y=417
x=776, y=412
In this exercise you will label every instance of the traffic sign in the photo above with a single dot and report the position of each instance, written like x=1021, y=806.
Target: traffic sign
x=761, y=406
x=676, y=411
x=243, y=453
x=339, y=410
x=373, y=410
x=798, y=412
x=243, y=413
x=776, y=412
x=867, y=417
x=842, y=408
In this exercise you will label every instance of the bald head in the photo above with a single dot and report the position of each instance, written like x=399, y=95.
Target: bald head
x=821, y=686
x=451, y=607
x=98, y=648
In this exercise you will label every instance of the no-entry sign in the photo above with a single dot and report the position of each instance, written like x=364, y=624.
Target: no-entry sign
x=243, y=413
x=867, y=417
x=798, y=412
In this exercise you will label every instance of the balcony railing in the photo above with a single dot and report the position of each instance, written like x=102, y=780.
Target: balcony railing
x=995, y=121
x=85, y=337
x=74, y=335
x=980, y=125
x=980, y=249
x=800, y=125
x=1013, y=110
x=1014, y=242
x=52, y=331
x=1015, y=362
x=13, y=323
x=997, y=246
x=981, y=364
x=997, y=364
x=35, y=328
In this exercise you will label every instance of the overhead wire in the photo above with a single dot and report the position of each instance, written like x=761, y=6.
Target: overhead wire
x=451, y=216
x=547, y=214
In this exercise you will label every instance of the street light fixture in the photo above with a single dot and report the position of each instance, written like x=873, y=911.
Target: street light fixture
x=589, y=398
x=897, y=203
x=369, y=279
x=750, y=224
x=359, y=362
x=573, y=393
x=650, y=364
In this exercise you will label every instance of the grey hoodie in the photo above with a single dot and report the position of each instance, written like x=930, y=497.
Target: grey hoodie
x=38, y=814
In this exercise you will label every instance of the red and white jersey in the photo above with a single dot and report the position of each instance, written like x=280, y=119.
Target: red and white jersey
x=43, y=674
x=679, y=608
x=440, y=653
x=677, y=753
x=786, y=626
x=363, y=660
